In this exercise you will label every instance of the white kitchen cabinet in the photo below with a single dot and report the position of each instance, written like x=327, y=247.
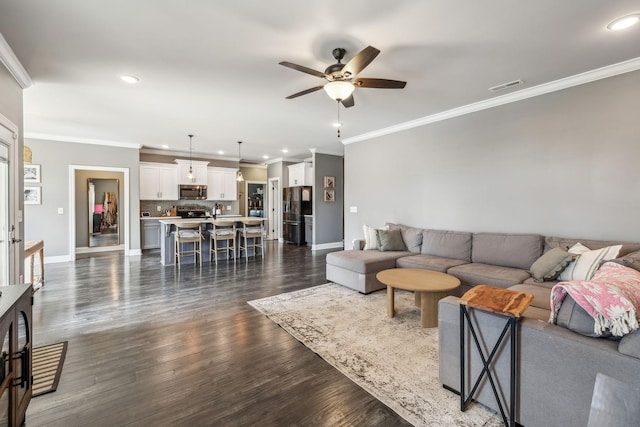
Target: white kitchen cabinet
x=150, y=233
x=199, y=170
x=300, y=174
x=158, y=181
x=222, y=184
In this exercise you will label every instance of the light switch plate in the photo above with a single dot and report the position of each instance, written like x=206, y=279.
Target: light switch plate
x=353, y=209
x=60, y=211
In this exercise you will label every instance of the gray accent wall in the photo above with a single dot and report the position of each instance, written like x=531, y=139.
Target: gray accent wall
x=42, y=222
x=563, y=164
x=327, y=216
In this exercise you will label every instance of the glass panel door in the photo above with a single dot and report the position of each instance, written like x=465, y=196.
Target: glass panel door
x=4, y=214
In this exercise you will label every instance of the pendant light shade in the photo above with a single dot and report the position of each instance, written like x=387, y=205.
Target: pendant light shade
x=239, y=176
x=190, y=175
x=339, y=90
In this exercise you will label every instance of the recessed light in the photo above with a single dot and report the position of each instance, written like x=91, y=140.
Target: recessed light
x=337, y=124
x=265, y=157
x=221, y=152
x=624, y=22
x=284, y=150
x=165, y=146
x=128, y=78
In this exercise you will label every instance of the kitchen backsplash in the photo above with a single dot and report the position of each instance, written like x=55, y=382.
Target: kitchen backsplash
x=151, y=206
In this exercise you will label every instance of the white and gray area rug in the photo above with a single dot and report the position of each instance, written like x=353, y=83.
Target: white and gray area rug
x=396, y=360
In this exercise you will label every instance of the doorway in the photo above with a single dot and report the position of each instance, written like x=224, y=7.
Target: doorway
x=79, y=208
x=274, y=202
x=10, y=214
x=103, y=206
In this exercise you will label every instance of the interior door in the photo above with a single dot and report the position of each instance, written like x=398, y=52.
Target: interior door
x=5, y=238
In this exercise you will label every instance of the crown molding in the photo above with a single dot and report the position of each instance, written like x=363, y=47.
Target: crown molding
x=146, y=150
x=339, y=153
x=542, y=89
x=283, y=159
x=10, y=60
x=75, y=140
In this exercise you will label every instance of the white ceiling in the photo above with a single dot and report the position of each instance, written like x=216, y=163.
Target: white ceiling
x=211, y=67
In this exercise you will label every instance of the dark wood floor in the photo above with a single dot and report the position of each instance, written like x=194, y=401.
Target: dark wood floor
x=151, y=346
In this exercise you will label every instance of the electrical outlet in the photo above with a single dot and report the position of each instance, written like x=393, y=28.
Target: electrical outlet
x=60, y=211
x=159, y=208
x=353, y=209
x=228, y=207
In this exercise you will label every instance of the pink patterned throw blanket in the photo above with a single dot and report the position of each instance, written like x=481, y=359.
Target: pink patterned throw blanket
x=611, y=297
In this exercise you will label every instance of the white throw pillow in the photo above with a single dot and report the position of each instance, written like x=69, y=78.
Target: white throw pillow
x=370, y=238
x=588, y=262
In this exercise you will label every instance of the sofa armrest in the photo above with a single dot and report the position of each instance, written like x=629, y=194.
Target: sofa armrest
x=357, y=244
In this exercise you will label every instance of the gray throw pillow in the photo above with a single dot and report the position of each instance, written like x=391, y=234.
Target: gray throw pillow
x=550, y=265
x=390, y=240
x=576, y=319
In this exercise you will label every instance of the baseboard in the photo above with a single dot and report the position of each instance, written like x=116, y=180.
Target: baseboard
x=135, y=252
x=56, y=259
x=332, y=245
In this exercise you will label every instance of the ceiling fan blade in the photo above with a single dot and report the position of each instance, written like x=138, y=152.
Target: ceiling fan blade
x=348, y=102
x=379, y=83
x=303, y=69
x=304, y=92
x=360, y=61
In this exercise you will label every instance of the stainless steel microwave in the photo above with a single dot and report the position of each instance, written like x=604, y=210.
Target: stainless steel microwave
x=193, y=192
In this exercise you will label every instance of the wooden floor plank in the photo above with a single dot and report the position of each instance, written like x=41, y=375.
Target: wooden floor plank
x=149, y=345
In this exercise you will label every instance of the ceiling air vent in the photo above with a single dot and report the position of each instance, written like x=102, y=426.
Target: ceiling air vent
x=504, y=86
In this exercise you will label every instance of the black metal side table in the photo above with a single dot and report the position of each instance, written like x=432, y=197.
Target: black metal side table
x=506, y=304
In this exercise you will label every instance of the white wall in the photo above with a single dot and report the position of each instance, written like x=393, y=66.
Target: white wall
x=42, y=222
x=566, y=164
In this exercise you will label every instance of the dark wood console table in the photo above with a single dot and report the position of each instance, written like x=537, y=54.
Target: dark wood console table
x=15, y=360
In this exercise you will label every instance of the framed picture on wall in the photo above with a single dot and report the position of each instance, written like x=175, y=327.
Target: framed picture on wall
x=329, y=182
x=329, y=195
x=31, y=173
x=32, y=195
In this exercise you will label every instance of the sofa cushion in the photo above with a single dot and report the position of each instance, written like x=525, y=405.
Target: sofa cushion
x=390, y=240
x=631, y=260
x=551, y=242
x=429, y=262
x=588, y=262
x=478, y=273
x=364, y=261
x=546, y=284
x=541, y=295
x=507, y=250
x=370, y=237
x=575, y=318
x=447, y=244
x=550, y=264
x=412, y=236
x=630, y=344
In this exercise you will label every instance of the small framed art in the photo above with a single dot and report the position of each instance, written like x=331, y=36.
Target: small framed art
x=329, y=182
x=329, y=195
x=32, y=195
x=31, y=173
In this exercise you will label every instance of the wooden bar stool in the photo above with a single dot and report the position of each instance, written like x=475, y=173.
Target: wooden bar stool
x=251, y=235
x=187, y=232
x=223, y=230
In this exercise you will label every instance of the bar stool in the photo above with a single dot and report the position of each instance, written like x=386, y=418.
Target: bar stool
x=223, y=230
x=251, y=235
x=187, y=232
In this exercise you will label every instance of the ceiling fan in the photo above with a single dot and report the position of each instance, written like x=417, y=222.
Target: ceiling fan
x=342, y=79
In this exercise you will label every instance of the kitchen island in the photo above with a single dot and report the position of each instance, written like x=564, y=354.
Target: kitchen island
x=168, y=226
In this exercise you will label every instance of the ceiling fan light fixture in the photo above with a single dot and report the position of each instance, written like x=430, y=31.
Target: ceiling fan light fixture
x=339, y=90
x=624, y=22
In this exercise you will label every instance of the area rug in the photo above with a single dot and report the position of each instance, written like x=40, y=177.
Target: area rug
x=47, y=364
x=394, y=359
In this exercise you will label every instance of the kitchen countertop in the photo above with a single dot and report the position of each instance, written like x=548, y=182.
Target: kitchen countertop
x=175, y=220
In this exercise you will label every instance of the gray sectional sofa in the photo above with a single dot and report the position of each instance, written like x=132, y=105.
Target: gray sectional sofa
x=556, y=366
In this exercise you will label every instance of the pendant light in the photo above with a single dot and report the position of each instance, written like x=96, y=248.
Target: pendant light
x=239, y=176
x=190, y=176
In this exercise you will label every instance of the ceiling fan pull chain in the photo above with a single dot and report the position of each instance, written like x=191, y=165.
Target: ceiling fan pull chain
x=339, y=122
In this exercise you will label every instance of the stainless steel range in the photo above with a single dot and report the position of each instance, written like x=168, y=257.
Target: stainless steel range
x=191, y=211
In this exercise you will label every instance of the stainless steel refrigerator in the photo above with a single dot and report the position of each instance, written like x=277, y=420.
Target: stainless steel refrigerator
x=296, y=204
